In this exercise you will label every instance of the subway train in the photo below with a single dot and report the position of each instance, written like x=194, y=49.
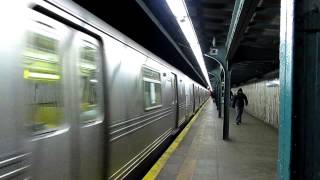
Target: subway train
x=80, y=100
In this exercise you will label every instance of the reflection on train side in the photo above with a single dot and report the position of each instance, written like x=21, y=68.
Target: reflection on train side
x=89, y=80
x=42, y=73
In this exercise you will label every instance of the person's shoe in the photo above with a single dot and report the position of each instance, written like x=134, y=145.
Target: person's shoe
x=238, y=123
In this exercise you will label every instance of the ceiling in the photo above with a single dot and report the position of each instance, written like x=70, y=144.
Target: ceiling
x=211, y=18
x=151, y=24
x=131, y=19
x=257, y=53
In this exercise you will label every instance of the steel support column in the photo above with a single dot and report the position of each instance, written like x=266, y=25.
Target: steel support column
x=226, y=106
x=216, y=73
x=219, y=100
x=299, y=141
x=226, y=103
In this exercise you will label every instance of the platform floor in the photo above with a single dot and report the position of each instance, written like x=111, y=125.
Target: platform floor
x=250, y=154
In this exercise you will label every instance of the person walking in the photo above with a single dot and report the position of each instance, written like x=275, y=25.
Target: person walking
x=238, y=102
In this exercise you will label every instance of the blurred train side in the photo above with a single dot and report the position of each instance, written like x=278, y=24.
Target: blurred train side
x=125, y=130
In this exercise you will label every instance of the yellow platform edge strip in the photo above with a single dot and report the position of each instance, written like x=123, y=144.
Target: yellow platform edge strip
x=156, y=168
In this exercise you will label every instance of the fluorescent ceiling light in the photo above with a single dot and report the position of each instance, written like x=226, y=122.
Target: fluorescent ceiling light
x=41, y=75
x=179, y=10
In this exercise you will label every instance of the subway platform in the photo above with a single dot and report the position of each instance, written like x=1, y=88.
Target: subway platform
x=249, y=154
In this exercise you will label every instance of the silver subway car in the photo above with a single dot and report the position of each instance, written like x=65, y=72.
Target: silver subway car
x=79, y=99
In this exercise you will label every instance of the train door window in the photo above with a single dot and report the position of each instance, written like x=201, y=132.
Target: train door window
x=89, y=78
x=152, y=88
x=42, y=75
x=181, y=87
x=174, y=84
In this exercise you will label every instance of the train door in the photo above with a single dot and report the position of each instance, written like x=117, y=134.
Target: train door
x=62, y=83
x=199, y=96
x=181, y=101
x=88, y=105
x=194, y=98
x=175, y=99
x=44, y=67
x=187, y=91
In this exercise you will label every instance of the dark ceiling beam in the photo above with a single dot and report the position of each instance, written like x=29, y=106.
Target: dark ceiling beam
x=247, y=69
x=253, y=62
x=264, y=25
x=264, y=18
x=271, y=4
x=246, y=53
x=268, y=11
x=217, y=20
x=207, y=28
x=218, y=1
x=209, y=25
x=241, y=17
x=260, y=44
x=215, y=12
x=225, y=6
x=241, y=73
x=261, y=39
x=216, y=24
x=209, y=41
x=214, y=28
x=261, y=32
x=268, y=30
x=218, y=33
x=211, y=19
x=214, y=16
x=244, y=76
x=267, y=8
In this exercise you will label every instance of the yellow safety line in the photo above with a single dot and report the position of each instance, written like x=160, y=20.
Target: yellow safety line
x=156, y=168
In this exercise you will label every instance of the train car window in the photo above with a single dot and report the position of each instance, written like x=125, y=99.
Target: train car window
x=88, y=81
x=181, y=87
x=42, y=74
x=152, y=88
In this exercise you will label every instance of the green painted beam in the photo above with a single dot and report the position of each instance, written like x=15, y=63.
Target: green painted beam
x=242, y=13
x=286, y=83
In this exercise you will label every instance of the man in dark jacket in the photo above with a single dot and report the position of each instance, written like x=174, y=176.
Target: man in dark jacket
x=238, y=101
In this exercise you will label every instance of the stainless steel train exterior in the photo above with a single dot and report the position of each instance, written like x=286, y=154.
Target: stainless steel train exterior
x=79, y=100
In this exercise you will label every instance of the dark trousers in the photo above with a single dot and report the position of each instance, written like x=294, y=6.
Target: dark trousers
x=239, y=111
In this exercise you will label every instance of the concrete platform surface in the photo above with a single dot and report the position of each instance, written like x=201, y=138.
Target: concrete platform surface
x=250, y=154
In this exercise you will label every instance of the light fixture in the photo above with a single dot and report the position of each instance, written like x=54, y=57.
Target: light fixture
x=36, y=75
x=179, y=10
x=214, y=41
